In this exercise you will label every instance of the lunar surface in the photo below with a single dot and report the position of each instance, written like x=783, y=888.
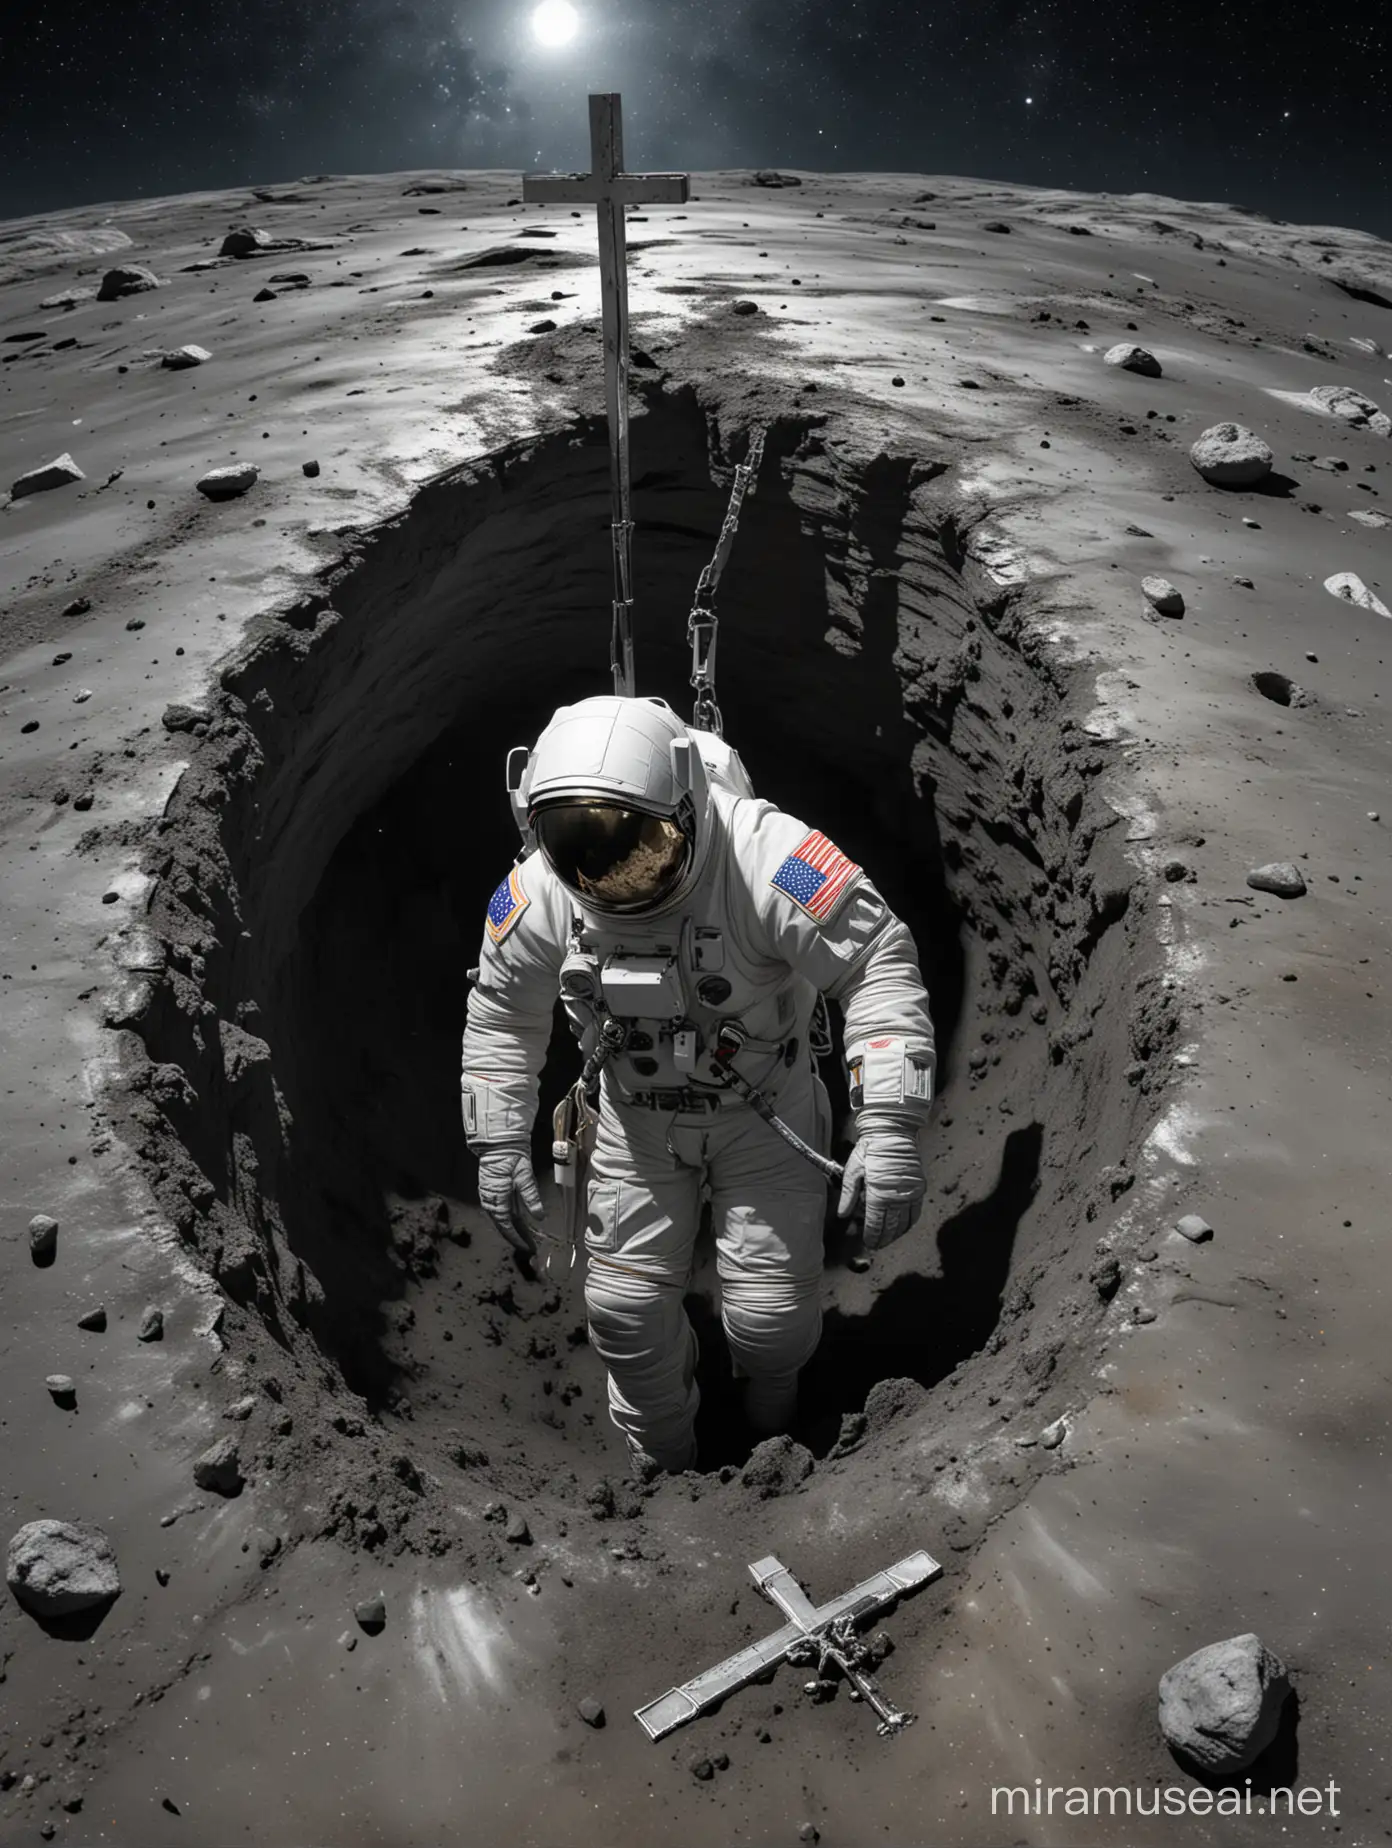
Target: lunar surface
x=321, y=1530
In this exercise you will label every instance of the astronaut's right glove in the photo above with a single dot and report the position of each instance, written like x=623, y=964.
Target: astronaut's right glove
x=885, y=1168
x=509, y=1194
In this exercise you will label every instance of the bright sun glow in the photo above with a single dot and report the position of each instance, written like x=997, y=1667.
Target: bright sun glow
x=555, y=21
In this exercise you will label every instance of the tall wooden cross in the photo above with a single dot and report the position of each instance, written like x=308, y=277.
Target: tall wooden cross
x=610, y=189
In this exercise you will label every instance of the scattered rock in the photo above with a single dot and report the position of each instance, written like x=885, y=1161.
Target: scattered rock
x=43, y=1238
x=745, y=307
x=220, y=1468
x=78, y=607
x=896, y=380
x=701, y=1769
x=56, y=474
x=995, y=224
x=1142, y=1314
x=776, y=1467
x=542, y=327
x=1105, y=1277
x=226, y=483
x=180, y=358
x=264, y=295
x=1281, y=877
x=267, y=1546
x=246, y=241
x=310, y=468
x=1163, y=596
x=1053, y=1435
x=151, y=1324
x=63, y=1390
x=57, y=1567
x=241, y=1409
x=517, y=1532
x=126, y=281
x=1221, y=1707
x=766, y=176
x=809, y=1832
x=95, y=1319
x=1351, y=588
x=1230, y=456
x=1196, y=1230
x=371, y=1613
x=591, y=1712
x=1343, y=401
x=1133, y=358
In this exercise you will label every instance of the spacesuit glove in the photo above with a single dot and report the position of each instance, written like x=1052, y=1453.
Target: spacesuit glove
x=509, y=1194
x=885, y=1171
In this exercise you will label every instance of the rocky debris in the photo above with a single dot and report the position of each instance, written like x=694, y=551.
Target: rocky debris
x=309, y=468
x=1281, y=877
x=371, y=1613
x=178, y=718
x=701, y=1769
x=264, y=295
x=43, y=1238
x=178, y=359
x=850, y=1436
x=1351, y=588
x=424, y=188
x=777, y=1466
x=56, y=474
x=1343, y=401
x=517, y=1532
x=1230, y=456
x=78, y=607
x=64, y=1392
x=1142, y=1314
x=1105, y=1277
x=227, y=483
x=767, y=176
x=542, y=327
x=1221, y=1707
x=57, y=1567
x=995, y=224
x=94, y=1321
x=1161, y=594
x=241, y=1409
x=809, y=1832
x=1195, y=1229
x=134, y=280
x=888, y=1400
x=267, y=1545
x=1369, y=516
x=591, y=1712
x=1132, y=358
x=151, y=1324
x=1053, y=1435
x=220, y=1467
x=744, y=306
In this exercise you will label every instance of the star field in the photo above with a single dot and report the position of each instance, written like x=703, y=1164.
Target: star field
x=1273, y=106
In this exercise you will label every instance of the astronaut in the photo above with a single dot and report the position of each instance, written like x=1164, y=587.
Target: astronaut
x=659, y=893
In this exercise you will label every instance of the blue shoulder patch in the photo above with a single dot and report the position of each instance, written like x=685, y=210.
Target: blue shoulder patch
x=506, y=906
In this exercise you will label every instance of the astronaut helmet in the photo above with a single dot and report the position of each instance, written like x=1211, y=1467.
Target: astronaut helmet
x=618, y=800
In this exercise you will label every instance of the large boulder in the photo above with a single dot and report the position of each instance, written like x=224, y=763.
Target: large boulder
x=57, y=1567
x=57, y=474
x=133, y=280
x=1220, y=1707
x=1230, y=456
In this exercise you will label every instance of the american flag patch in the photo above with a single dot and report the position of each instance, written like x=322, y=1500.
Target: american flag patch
x=506, y=906
x=816, y=876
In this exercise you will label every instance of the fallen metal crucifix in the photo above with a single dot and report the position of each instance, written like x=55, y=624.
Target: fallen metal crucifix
x=813, y=1634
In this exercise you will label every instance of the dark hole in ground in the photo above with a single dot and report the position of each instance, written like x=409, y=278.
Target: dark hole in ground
x=866, y=694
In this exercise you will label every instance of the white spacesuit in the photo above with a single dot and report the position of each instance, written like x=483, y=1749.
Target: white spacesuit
x=665, y=896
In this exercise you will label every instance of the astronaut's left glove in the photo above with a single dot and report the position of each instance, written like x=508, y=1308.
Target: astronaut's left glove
x=885, y=1169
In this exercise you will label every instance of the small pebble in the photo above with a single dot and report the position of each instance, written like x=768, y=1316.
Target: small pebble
x=43, y=1238
x=94, y=1321
x=702, y=1770
x=591, y=1712
x=371, y=1613
x=1195, y=1229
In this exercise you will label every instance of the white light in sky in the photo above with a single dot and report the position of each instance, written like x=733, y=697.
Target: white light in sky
x=1029, y=99
x=555, y=22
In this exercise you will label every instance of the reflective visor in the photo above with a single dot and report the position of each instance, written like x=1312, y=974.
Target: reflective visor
x=618, y=859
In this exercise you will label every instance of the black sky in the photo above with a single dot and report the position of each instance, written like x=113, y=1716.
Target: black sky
x=1277, y=106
